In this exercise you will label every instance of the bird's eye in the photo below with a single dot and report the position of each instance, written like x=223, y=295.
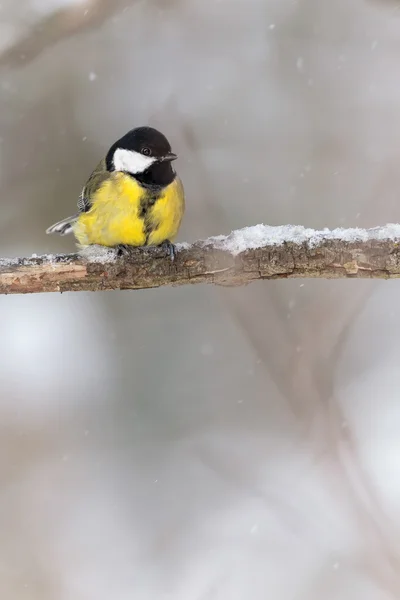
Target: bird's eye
x=146, y=151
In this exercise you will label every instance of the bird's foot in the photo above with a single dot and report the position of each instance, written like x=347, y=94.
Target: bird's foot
x=123, y=250
x=170, y=249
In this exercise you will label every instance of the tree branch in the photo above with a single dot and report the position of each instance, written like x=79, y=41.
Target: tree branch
x=58, y=25
x=246, y=255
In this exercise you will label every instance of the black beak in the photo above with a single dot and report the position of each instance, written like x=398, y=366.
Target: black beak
x=169, y=157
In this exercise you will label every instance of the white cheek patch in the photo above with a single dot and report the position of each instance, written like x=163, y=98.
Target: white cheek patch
x=131, y=161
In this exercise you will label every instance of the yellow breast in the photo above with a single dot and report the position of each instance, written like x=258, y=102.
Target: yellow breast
x=123, y=212
x=164, y=218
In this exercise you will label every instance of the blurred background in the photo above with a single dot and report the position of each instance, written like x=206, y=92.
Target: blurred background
x=202, y=443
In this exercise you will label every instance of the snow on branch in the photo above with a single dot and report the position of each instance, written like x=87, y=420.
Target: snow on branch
x=246, y=255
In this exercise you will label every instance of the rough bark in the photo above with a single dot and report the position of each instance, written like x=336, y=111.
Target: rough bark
x=202, y=262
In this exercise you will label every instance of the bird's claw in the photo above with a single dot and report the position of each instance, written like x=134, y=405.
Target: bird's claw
x=122, y=250
x=169, y=249
x=125, y=250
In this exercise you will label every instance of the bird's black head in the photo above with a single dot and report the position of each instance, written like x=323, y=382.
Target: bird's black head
x=144, y=153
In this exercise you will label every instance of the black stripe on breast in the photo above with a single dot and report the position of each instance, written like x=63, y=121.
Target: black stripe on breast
x=147, y=202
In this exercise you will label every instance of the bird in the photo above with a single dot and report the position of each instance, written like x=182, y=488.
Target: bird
x=132, y=198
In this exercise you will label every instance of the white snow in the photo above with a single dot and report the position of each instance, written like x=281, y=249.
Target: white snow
x=182, y=245
x=98, y=254
x=8, y=262
x=261, y=235
x=248, y=238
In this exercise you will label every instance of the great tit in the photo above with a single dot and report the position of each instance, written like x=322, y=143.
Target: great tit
x=132, y=198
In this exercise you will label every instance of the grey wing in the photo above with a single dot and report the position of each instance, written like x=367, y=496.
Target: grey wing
x=97, y=177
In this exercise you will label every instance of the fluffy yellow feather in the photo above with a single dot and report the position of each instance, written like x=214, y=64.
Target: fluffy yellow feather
x=123, y=212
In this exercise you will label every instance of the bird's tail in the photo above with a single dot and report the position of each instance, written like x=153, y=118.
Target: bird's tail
x=63, y=227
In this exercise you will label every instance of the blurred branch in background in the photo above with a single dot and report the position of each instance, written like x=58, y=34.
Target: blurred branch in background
x=249, y=254
x=61, y=24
